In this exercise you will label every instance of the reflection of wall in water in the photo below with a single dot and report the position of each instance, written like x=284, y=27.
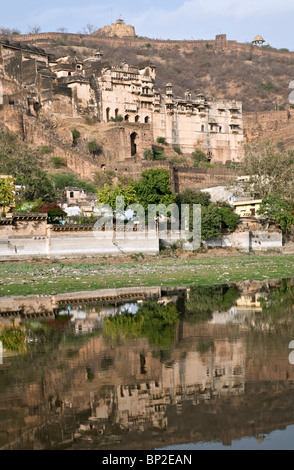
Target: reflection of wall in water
x=194, y=377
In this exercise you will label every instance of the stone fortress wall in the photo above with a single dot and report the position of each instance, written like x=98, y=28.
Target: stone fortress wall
x=36, y=88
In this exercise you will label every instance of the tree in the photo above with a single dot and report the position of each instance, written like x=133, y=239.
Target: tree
x=108, y=194
x=194, y=196
x=278, y=210
x=211, y=222
x=25, y=164
x=75, y=135
x=215, y=217
x=154, y=187
x=89, y=29
x=229, y=218
x=94, y=147
x=7, y=192
x=54, y=211
x=37, y=185
x=34, y=29
x=269, y=171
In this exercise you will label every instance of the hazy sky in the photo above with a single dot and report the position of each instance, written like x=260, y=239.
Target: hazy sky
x=241, y=20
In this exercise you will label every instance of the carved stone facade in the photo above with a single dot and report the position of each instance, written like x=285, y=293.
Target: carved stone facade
x=33, y=82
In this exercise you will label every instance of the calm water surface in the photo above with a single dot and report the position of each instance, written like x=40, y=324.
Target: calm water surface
x=198, y=369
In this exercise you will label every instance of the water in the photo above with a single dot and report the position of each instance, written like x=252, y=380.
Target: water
x=198, y=369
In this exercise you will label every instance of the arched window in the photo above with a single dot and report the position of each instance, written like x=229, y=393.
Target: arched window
x=133, y=143
x=202, y=128
x=137, y=118
x=126, y=117
x=107, y=114
x=116, y=112
x=146, y=119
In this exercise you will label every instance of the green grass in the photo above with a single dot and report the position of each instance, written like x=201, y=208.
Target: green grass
x=37, y=277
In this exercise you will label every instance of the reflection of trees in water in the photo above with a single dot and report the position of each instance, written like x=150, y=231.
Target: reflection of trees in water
x=155, y=322
x=276, y=315
x=203, y=301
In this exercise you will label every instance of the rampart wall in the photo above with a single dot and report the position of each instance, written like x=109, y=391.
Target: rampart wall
x=219, y=44
x=260, y=125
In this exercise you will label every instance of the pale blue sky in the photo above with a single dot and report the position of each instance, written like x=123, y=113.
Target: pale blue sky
x=161, y=19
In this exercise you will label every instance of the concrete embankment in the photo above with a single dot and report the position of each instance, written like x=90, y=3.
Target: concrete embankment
x=44, y=305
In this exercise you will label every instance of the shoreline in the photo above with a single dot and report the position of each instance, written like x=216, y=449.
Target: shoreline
x=215, y=267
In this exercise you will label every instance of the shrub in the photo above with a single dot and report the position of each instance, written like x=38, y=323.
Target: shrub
x=94, y=147
x=148, y=154
x=177, y=150
x=117, y=118
x=266, y=86
x=161, y=140
x=75, y=135
x=58, y=162
x=199, y=156
x=90, y=120
x=158, y=155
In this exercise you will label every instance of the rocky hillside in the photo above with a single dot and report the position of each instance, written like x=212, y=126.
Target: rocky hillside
x=258, y=76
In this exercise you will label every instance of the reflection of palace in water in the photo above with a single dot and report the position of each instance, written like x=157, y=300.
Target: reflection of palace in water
x=113, y=386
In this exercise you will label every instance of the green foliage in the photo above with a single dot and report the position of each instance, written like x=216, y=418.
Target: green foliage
x=177, y=150
x=161, y=140
x=37, y=185
x=7, y=189
x=279, y=210
x=148, y=154
x=267, y=85
x=54, y=211
x=154, y=187
x=94, y=147
x=13, y=339
x=26, y=165
x=194, y=196
x=90, y=120
x=108, y=194
x=203, y=301
x=229, y=218
x=62, y=180
x=211, y=222
x=124, y=180
x=154, y=154
x=45, y=149
x=270, y=171
x=154, y=321
x=75, y=136
x=58, y=162
x=215, y=217
x=198, y=156
x=118, y=118
x=158, y=155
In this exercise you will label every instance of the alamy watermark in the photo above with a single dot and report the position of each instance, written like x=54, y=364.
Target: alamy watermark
x=164, y=221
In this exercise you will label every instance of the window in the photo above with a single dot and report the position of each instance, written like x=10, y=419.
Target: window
x=133, y=144
x=71, y=194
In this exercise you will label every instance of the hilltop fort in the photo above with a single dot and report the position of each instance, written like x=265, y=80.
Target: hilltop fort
x=51, y=83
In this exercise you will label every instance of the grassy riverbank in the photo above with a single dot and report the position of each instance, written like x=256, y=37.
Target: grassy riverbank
x=182, y=269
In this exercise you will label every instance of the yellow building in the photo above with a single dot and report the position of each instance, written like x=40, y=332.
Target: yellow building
x=247, y=207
